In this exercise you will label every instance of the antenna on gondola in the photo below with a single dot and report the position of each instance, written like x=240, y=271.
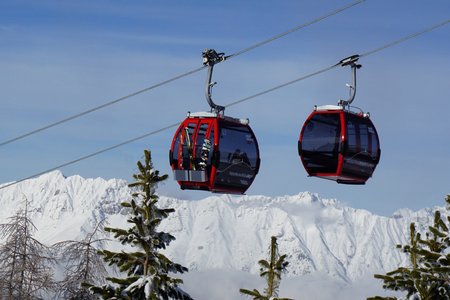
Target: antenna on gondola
x=350, y=61
x=210, y=58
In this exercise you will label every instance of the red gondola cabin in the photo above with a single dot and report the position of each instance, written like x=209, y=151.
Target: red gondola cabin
x=339, y=145
x=214, y=153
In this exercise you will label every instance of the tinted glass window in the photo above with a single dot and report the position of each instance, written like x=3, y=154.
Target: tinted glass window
x=211, y=139
x=322, y=133
x=362, y=139
x=176, y=149
x=374, y=144
x=238, y=156
x=200, y=140
x=187, y=146
x=320, y=143
x=361, y=154
x=203, y=148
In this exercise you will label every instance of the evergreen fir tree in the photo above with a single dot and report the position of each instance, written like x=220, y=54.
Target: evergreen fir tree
x=25, y=271
x=83, y=264
x=147, y=269
x=272, y=271
x=428, y=276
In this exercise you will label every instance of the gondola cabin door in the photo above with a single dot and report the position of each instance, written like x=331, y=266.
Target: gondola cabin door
x=191, y=153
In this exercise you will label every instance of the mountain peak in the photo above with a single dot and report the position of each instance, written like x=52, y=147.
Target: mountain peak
x=226, y=231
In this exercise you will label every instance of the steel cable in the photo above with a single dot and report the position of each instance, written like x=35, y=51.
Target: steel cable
x=178, y=76
x=375, y=50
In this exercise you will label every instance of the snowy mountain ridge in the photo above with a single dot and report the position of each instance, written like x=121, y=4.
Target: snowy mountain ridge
x=227, y=232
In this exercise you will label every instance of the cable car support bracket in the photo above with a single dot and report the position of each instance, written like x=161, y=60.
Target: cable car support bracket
x=210, y=58
x=352, y=62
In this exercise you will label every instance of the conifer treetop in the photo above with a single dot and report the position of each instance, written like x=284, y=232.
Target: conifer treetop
x=271, y=270
x=428, y=275
x=148, y=270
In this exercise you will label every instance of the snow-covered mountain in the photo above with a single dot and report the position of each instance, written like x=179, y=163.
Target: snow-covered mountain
x=227, y=232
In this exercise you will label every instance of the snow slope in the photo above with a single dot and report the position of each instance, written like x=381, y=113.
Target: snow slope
x=227, y=232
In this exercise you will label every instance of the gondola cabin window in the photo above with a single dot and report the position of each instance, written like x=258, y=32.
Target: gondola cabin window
x=320, y=144
x=238, y=157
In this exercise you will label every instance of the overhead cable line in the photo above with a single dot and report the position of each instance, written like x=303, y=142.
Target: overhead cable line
x=316, y=20
x=91, y=155
x=282, y=85
x=332, y=13
x=391, y=44
x=100, y=106
x=388, y=45
x=404, y=39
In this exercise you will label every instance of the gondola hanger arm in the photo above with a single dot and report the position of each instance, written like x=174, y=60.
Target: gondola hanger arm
x=210, y=58
x=352, y=62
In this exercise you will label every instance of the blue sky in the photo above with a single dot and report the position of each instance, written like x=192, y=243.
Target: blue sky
x=58, y=58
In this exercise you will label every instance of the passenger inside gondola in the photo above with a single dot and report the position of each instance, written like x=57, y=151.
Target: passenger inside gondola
x=238, y=157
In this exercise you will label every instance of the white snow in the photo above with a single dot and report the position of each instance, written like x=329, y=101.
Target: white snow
x=145, y=282
x=227, y=232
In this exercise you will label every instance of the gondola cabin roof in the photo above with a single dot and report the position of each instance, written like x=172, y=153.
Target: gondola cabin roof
x=205, y=114
x=332, y=108
x=328, y=107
